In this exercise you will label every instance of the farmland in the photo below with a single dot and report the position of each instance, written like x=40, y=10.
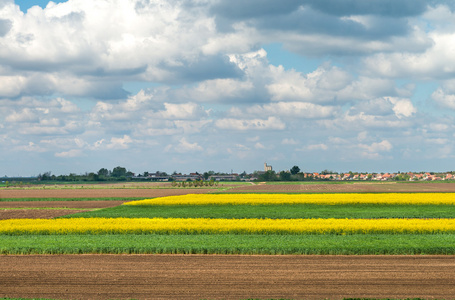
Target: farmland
x=356, y=224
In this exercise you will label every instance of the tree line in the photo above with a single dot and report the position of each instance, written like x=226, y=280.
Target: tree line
x=103, y=174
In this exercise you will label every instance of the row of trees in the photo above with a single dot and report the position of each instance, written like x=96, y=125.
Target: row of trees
x=122, y=174
x=116, y=174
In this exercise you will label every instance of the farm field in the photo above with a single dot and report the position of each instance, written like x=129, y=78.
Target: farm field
x=346, y=187
x=311, y=277
x=238, y=228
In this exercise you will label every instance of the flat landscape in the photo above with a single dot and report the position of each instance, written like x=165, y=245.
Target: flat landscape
x=183, y=275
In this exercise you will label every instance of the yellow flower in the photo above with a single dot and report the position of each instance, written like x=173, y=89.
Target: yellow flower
x=331, y=199
x=237, y=226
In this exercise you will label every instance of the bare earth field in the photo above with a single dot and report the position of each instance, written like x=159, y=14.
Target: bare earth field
x=383, y=187
x=35, y=213
x=226, y=276
x=7, y=211
x=97, y=192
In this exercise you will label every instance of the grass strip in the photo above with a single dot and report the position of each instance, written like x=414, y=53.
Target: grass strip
x=390, y=244
x=291, y=211
x=71, y=199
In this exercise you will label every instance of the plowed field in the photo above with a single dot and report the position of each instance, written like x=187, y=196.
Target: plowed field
x=97, y=192
x=361, y=187
x=226, y=277
x=36, y=213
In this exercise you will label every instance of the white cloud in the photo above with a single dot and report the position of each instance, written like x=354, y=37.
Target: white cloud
x=317, y=147
x=102, y=38
x=443, y=98
x=207, y=86
x=29, y=147
x=26, y=115
x=319, y=86
x=253, y=139
x=271, y=123
x=402, y=107
x=259, y=146
x=292, y=109
x=435, y=63
x=184, y=147
x=383, y=146
x=70, y=153
x=439, y=127
x=183, y=111
x=289, y=141
x=119, y=143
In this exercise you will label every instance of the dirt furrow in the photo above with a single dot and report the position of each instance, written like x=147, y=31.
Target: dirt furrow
x=226, y=276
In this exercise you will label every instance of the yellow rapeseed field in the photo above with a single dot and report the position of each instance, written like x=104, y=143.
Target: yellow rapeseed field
x=236, y=226
x=331, y=199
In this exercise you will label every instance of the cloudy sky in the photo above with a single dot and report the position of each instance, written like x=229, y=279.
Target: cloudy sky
x=198, y=85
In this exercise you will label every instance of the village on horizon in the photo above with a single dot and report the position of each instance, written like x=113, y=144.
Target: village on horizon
x=267, y=174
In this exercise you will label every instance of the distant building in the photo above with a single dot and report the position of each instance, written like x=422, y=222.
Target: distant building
x=229, y=177
x=267, y=167
x=191, y=177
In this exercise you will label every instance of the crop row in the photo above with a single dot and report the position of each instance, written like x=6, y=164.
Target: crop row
x=330, y=199
x=229, y=244
x=217, y=226
x=273, y=211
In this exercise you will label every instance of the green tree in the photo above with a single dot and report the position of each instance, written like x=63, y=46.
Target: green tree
x=285, y=176
x=268, y=176
x=103, y=172
x=295, y=170
x=118, y=172
x=92, y=176
x=206, y=175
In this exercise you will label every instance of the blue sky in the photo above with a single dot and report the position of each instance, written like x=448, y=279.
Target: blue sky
x=226, y=85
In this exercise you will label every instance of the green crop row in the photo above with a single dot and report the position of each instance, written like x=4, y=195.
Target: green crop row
x=294, y=211
x=230, y=244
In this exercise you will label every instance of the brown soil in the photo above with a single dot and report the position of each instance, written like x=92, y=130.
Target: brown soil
x=6, y=211
x=35, y=213
x=226, y=277
x=386, y=187
x=60, y=204
x=97, y=192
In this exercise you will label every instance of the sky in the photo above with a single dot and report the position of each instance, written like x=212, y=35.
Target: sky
x=226, y=85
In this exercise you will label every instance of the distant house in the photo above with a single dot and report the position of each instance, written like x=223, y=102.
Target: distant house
x=192, y=177
x=230, y=177
x=158, y=176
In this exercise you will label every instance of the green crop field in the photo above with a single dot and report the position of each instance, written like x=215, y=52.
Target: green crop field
x=293, y=211
x=231, y=243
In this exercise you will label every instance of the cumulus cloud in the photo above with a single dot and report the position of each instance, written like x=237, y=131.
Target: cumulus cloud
x=70, y=153
x=259, y=146
x=120, y=143
x=84, y=47
x=378, y=147
x=403, y=107
x=348, y=81
x=271, y=123
x=184, y=147
x=444, y=98
x=316, y=147
x=289, y=141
